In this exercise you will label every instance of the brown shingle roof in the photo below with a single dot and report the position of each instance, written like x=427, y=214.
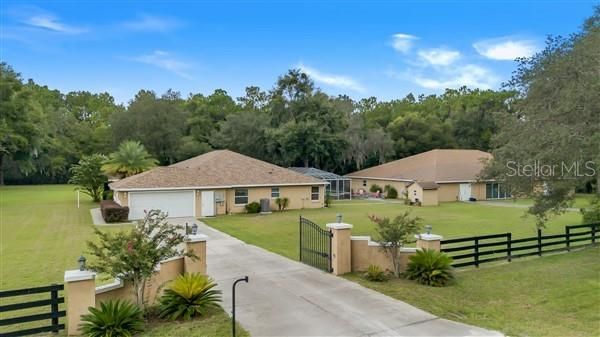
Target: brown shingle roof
x=428, y=185
x=432, y=166
x=215, y=168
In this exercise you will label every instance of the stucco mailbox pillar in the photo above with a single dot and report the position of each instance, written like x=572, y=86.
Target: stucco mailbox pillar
x=197, y=244
x=341, y=259
x=80, y=288
x=429, y=241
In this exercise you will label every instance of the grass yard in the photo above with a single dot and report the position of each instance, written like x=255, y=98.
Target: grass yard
x=557, y=295
x=215, y=323
x=278, y=232
x=581, y=201
x=42, y=233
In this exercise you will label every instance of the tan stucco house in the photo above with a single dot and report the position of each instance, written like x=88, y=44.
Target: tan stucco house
x=433, y=176
x=217, y=182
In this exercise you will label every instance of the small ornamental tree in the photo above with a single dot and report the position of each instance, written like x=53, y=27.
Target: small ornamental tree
x=88, y=175
x=133, y=255
x=394, y=234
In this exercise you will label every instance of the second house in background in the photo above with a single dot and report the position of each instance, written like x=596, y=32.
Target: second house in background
x=433, y=176
x=217, y=182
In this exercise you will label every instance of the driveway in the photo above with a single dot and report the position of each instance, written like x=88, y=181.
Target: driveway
x=288, y=298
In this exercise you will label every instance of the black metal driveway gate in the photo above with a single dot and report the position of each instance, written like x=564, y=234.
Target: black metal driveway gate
x=315, y=245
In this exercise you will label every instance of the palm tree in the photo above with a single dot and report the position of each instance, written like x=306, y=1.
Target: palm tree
x=131, y=158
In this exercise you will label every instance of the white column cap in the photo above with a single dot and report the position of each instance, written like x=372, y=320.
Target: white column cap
x=339, y=225
x=79, y=275
x=428, y=237
x=196, y=238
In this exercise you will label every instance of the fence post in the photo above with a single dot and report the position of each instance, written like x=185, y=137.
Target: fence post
x=54, y=307
x=539, y=241
x=80, y=290
x=568, y=237
x=593, y=233
x=195, y=244
x=429, y=241
x=341, y=250
x=509, y=246
x=300, y=235
x=476, y=257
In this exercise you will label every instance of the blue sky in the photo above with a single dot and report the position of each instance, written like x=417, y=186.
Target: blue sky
x=377, y=48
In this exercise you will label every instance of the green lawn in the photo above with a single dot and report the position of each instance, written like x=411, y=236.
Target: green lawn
x=581, y=201
x=278, y=232
x=42, y=233
x=557, y=295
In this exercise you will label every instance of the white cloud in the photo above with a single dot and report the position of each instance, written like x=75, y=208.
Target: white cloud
x=439, y=56
x=52, y=23
x=403, y=42
x=338, y=81
x=506, y=48
x=469, y=75
x=164, y=60
x=151, y=23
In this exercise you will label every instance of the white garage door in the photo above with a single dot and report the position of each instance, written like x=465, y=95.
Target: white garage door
x=175, y=203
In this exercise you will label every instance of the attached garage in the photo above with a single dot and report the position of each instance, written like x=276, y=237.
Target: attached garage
x=176, y=203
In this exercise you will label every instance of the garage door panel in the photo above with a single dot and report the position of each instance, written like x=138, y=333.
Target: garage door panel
x=175, y=203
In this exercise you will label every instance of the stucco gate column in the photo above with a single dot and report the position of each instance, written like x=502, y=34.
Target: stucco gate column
x=197, y=244
x=429, y=241
x=80, y=288
x=341, y=259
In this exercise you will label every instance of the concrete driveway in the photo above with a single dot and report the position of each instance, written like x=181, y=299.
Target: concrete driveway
x=288, y=298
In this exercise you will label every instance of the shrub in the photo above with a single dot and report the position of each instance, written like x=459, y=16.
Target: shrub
x=327, y=199
x=282, y=203
x=253, y=207
x=114, y=318
x=430, y=267
x=391, y=192
x=113, y=212
x=107, y=195
x=591, y=214
x=375, y=274
x=375, y=188
x=187, y=296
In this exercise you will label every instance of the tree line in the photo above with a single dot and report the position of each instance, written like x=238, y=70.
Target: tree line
x=44, y=131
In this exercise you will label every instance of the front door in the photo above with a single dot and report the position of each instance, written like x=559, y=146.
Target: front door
x=208, y=203
x=464, y=192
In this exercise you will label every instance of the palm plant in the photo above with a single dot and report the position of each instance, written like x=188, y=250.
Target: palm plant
x=114, y=319
x=131, y=158
x=187, y=296
x=430, y=267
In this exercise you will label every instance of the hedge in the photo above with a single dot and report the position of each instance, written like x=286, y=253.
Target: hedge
x=113, y=212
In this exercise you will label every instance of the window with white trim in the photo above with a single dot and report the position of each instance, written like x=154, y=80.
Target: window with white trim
x=274, y=192
x=314, y=193
x=241, y=196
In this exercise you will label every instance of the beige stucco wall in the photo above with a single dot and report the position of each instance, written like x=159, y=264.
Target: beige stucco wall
x=366, y=252
x=299, y=197
x=357, y=184
x=448, y=192
x=430, y=198
x=415, y=191
x=121, y=198
x=168, y=270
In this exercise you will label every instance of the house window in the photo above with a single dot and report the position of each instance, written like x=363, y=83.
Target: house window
x=496, y=191
x=241, y=196
x=274, y=192
x=364, y=183
x=314, y=193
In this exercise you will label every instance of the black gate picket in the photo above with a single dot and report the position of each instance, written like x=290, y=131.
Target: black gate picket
x=315, y=245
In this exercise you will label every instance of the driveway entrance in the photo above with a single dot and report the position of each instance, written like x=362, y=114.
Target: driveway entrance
x=288, y=298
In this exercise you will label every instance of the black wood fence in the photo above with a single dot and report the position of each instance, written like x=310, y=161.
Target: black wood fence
x=476, y=250
x=51, y=304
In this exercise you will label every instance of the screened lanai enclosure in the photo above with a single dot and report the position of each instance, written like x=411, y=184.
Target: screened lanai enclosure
x=339, y=186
